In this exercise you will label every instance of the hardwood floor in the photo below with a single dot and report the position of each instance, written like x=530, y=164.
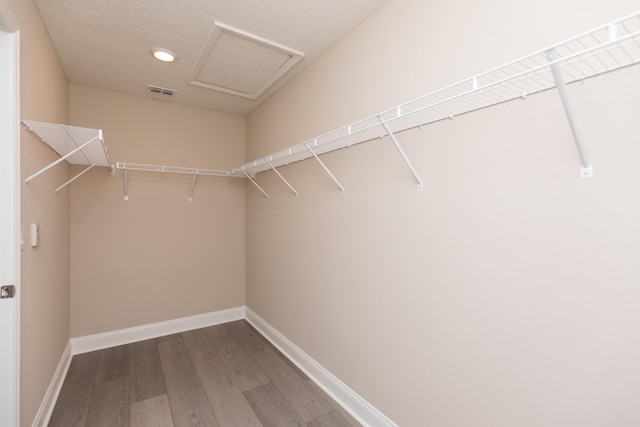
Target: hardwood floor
x=222, y=376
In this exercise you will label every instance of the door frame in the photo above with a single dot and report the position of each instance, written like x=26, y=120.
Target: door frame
x=10, y=197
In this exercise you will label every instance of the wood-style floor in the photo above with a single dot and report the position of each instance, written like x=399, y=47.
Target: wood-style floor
x=226, y=375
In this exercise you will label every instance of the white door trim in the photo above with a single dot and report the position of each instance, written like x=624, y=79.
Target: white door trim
x=10, y=218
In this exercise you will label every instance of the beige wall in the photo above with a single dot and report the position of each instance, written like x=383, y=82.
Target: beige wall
x=503, y=294
x=157, y=256
x=44, y=269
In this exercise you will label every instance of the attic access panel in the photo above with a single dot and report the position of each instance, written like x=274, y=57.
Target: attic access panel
x=240, y=63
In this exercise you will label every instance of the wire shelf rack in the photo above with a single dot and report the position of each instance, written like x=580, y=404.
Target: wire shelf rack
x=604, y=49
x=194, y=172
x=76, y=145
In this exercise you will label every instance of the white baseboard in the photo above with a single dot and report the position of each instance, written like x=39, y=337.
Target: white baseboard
x=353, y=403
x=51, y=396
x=154, y=330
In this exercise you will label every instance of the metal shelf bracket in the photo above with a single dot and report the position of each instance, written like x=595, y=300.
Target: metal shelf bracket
x=256, y=184
x=586, y=170
x=193, y=185
x=282, y=178
x=326, y=169
x=402, y=153
x=126, y=184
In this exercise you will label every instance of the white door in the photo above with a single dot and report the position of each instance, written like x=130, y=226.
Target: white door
x=9, y=220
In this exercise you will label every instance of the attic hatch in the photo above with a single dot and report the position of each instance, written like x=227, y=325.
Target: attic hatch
x=240, y=63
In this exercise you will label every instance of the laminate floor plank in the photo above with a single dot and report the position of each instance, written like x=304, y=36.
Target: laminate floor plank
x=332, y=419
x=335, y=405
x=75, y=395
x=302, y=397
x=147, y=379
x=110, y=404
x=229, y=405
x=272, y=408
x=245, y=372
x=187, y=399
x=240, y=326
x=152, y=412
x=113, y=363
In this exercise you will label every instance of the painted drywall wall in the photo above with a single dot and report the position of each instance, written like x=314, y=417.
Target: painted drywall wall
x=44, y=293
x=157, y=256
x=503, y=294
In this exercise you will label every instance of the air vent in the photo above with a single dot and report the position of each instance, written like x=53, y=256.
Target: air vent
x=161, y=90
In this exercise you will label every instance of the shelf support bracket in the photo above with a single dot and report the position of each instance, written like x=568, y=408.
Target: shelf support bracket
x=78, y=175
x=256, y=184
x=126, y=184
x=402, y=153
x=586, y=170
x=326, y=169
x=61, y=159
x=193, y=185
x=282, y=178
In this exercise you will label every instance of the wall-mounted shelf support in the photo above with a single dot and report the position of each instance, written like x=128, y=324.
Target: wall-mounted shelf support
x=57, y=162
x=195, y=172
x=77, y=176
x=193, y=185
x=256, y=184
x=74, y=144
x=402, y=153
x=586, y=170
x=282, y=178
x=326, y=168
x=126, y=185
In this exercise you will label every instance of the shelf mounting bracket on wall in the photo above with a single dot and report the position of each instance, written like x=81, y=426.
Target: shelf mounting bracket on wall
x=193, y=185
x=282, y=178
x=586, y=169
x=126, y=184
x=74, y=144
x=402, y=153
x=256, y=184
x=326, y=169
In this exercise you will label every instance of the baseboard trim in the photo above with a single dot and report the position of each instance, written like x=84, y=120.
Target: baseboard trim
x=154, y=330
x=353, y=403
x=51, y=396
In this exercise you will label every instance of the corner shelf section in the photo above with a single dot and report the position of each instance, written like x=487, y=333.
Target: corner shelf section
x=604, y=49
x=168, y=169
x=76, y=145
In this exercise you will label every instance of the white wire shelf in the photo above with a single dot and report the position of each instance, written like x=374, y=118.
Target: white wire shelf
x=604, y=49
x=171, y=169
x=194, y=172
x=76, y=145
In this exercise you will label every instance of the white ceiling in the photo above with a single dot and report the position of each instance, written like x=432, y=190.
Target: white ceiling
x=105, y=44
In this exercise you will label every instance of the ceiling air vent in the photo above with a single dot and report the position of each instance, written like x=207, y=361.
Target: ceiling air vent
x=161, y=90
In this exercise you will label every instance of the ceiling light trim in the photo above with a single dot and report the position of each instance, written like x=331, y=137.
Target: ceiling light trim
x=217, y=30
x=163, y=54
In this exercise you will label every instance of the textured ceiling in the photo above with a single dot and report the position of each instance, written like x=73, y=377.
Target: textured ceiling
x=105, y=44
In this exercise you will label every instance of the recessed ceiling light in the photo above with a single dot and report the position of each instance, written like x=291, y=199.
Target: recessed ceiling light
x=163, y=54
